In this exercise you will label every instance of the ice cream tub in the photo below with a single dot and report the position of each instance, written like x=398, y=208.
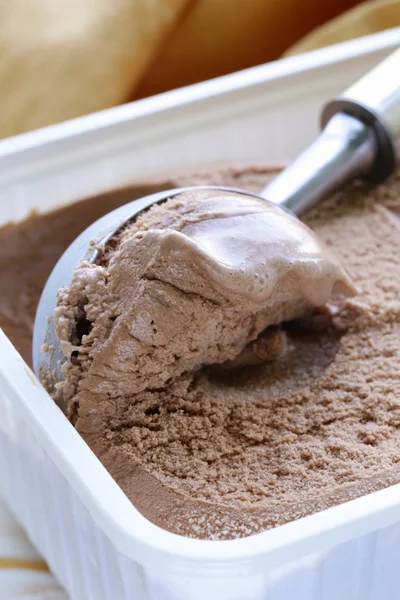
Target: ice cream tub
x=94, y=540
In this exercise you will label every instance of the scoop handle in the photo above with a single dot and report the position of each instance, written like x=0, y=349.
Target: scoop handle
x=375, y=100
x=360, y=138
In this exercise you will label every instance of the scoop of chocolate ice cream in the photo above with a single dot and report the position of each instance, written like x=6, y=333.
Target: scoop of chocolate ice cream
x=189, y=283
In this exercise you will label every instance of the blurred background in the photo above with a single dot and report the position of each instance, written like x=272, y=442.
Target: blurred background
x=60, y=59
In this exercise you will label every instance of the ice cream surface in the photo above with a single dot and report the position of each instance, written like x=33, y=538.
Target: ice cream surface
x=227, y=452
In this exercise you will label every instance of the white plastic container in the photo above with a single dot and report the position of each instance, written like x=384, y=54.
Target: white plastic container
x=95, y=541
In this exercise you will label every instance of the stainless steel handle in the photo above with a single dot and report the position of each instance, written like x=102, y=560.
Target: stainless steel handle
x=375, y=100
x=360, y=138
x=345, y=149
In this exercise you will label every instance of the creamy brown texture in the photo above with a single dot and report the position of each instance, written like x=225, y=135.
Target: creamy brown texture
x=229, y=454
x=189, y=283
x=31, y=248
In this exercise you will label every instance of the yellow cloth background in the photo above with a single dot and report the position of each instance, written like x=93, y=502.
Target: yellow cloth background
x=369, y=17
x=62, y=60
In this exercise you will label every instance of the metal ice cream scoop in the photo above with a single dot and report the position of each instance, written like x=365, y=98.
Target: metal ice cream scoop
x=360, y=138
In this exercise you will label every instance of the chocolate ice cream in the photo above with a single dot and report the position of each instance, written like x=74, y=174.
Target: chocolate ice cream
x=189, y=283
x=229, y=450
